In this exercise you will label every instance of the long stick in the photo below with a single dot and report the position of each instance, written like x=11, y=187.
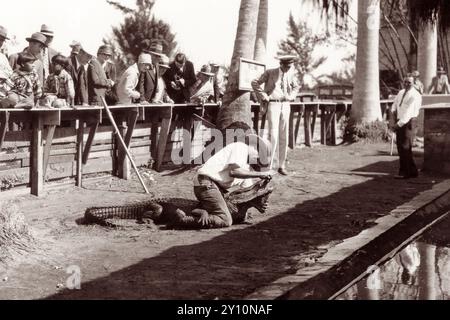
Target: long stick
x=111, y=118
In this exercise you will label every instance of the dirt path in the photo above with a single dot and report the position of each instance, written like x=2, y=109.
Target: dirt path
x=334, y=194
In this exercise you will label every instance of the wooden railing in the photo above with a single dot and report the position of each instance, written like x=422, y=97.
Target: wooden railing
x=45, y=144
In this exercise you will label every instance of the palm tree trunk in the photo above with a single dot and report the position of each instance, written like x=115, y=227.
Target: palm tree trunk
x=261, y=31
x=427, y=54
x=366, y=94
x=236, y=107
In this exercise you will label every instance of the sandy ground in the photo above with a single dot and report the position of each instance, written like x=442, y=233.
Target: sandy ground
x=333, y=194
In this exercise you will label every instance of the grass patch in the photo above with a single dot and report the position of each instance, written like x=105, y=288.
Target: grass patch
x=15, y=236
x=370, y=132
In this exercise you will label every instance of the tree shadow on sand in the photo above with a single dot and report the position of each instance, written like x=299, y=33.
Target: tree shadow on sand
x=244, y=258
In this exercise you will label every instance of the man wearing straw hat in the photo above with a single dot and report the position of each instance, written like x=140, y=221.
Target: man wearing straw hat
x=36, y=43
x=203, y=89
x=148, y=80
x=280, y=89
x=161, y=95
x=231, y=168
x=48, y=53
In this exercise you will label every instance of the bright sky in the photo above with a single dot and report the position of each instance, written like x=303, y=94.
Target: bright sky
x=205, y=29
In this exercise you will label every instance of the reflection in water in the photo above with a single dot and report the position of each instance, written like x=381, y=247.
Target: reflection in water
x=421, y=271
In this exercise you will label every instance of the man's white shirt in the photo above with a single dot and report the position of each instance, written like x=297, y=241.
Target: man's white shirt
x=409, y=108
x=218, y=167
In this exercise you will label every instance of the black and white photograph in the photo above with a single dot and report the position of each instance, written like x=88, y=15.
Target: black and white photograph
x=226, y=156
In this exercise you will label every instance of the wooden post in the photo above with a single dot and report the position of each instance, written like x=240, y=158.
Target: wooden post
x=297, y=125
x=291, y=127
x=307, y=125
x=37, y=157
x=124, y=163
x=48, y=146
x=4, y=119
x=80, y=142
x=154, y=134
x=163, y=137
x=90, y=140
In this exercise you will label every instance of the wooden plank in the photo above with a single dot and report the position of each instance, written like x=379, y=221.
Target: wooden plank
x=37, y=160
x=124, y=164
x=48, y=146
x=4, y=119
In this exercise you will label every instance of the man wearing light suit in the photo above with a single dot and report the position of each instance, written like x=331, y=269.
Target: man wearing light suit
x=281, y=87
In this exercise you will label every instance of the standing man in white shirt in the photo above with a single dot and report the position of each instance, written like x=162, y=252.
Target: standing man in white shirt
x=127, y=88
x=405, y=110
x=281, y=87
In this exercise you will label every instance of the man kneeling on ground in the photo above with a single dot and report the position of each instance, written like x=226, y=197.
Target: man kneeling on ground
x=231, y=168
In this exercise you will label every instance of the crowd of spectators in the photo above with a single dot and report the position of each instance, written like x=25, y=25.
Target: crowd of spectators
x=39, y=76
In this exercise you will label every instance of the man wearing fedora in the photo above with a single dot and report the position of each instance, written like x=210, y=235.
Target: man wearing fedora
x=81, y=84
x=439, y=84
x=232, y=168
x=281, y=87
x=36, y=43
x=180, y=78
x=48, y=53
x=148, y=80
x=73, y=62
x=104, y=55
x=97, y=81
x=161, y=95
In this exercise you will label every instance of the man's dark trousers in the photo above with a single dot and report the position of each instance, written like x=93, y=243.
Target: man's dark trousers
x=405, y=140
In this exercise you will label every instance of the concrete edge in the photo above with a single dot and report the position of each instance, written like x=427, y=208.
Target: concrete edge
x=429, y=201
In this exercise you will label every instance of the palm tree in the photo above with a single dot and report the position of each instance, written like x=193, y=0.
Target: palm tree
x=261, y=31
x=236, y=109
x=366, y=92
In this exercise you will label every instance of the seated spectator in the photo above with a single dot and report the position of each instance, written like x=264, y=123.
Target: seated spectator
x=203, y=89
x=161, y=95
x=179, y=79
x=439, y=84
x=26, y=88
x=126, y=88
x=59, y=88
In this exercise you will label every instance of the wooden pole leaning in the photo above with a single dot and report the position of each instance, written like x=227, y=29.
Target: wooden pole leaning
x=119, y=136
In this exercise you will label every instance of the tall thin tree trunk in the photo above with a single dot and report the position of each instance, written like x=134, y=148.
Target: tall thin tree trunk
x=366, y=94
x=261, y=32
x=236, y=103
x=427, y=54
